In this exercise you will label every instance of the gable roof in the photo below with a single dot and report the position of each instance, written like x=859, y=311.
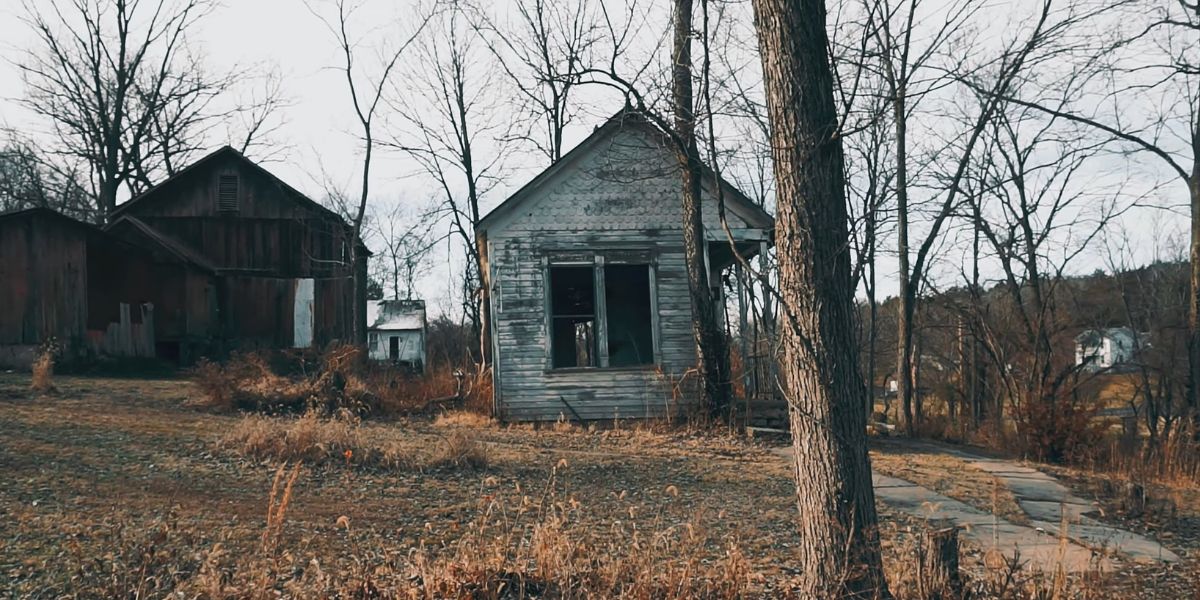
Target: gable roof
x=222, y=152
x=393, y=315
x=735, y=201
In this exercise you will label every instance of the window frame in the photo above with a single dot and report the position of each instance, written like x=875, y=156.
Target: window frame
x=597, y=260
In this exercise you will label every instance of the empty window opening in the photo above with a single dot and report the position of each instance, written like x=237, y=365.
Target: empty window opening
x=572, y=317
x=627, y=307
x=227, y=193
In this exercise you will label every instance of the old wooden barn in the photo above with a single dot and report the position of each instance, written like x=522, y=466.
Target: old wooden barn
x=222, y=256
x=590, y=312
x=71, y=284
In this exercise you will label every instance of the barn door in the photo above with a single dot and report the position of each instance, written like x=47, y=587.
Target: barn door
x=302, y=314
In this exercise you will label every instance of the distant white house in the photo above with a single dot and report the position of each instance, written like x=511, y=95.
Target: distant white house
x=1097, y=349
x=396, y=332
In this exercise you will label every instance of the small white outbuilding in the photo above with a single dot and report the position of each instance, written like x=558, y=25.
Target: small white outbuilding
x=396, y=332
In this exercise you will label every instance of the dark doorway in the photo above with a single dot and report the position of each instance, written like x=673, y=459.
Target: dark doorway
x=394, y=347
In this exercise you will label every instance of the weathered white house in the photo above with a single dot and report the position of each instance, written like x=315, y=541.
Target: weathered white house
x=1097, y=349
x=396, y=332
x=589, y=307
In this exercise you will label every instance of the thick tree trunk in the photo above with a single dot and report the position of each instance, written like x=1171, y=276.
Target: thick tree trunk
x=839, y=538
x=712, y=351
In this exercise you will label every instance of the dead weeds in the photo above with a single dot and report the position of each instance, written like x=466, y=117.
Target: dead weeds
x=119, y=473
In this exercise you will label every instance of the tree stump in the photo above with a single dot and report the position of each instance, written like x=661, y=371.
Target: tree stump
x=1134, y=501
x=938, y=577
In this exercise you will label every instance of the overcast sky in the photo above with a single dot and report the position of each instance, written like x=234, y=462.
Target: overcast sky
x=320, y=130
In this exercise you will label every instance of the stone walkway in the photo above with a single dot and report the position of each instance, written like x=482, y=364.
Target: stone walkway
x=1087, y=543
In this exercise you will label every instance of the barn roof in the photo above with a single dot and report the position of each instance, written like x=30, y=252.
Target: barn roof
x=175, y=248
x=229, y=151
x=42, y=211
x=736, y=201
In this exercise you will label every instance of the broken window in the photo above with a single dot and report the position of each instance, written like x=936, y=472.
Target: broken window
x=627, y=307
x=572, y=316
x=612, y=327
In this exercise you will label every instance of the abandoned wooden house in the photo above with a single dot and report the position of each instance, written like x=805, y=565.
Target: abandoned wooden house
x=589, y=305
x=396, y=332
x=223, y=255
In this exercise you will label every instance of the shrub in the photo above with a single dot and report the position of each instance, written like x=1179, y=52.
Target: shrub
x=247, y=381
x=42, y=380
x=1057, y=430
x=460, y=449
x=339, y=379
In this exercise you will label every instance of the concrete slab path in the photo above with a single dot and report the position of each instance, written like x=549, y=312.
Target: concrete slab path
x=1052, y=506
x=1087, y=543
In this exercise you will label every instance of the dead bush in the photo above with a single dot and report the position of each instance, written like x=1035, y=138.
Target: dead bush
x=339, y=379
x=42, y=381
x=341, y=440
x=1059, y=429
x=459, y=449
x=311, y=438
x=247, y=381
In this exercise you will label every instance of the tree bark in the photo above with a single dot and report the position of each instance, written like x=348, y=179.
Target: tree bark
x=1193, y=344
x=712, y=352
x=839, y=539
x=904, y=359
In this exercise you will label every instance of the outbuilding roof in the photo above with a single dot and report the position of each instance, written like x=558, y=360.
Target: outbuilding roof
x=395, y=315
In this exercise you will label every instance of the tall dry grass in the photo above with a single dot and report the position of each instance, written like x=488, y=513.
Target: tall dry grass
x=342, y=440
x=42, y=379
x=519, y=544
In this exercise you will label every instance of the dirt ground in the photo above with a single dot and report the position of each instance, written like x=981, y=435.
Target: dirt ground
x=100, y=457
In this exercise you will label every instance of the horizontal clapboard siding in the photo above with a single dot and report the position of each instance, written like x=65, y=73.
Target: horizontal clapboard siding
x=621, y=200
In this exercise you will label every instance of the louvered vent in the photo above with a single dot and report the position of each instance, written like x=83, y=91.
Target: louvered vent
x=227, y=193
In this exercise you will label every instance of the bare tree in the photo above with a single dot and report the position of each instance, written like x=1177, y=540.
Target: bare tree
x=28, y=180
x=544, y=54
x=453, y=128
x=819, y=373
x=127, y=95
x=1037, y=215
x=366, y=93
x=1159, y=60
x=909, y=74
x=407, y=239
x=712, y=349
x=1154, y=305
x=103, y=72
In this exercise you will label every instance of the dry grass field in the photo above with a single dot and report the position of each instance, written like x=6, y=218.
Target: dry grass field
x=123, y=487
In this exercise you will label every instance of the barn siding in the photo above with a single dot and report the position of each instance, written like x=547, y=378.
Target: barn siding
x=43, y=267
x=624, y=196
